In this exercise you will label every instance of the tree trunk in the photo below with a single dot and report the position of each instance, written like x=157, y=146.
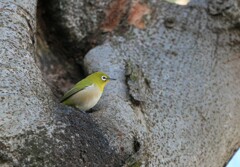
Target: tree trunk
x=177, y=97
x=175, y=102
x=34, y=128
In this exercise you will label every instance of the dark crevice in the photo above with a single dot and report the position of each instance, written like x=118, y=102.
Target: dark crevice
x=60, y=60
x=74, y=46
x=59, y=70
x=136, y=145
x=134, y=101
x=60, y=52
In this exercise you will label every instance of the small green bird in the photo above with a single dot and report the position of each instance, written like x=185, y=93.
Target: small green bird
x=87, y=92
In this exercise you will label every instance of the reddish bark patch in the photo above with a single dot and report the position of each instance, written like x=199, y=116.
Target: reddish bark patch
x=136, y=14
x=114, y=15
x=120, y=8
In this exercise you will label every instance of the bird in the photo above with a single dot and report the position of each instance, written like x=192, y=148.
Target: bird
x=87, y=92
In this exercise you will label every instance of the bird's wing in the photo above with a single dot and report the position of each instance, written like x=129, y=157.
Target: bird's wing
x=76, y=88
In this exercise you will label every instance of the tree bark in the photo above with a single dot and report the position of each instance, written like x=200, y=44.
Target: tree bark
x=35, y=130
x=175, y=102
x=177, y=96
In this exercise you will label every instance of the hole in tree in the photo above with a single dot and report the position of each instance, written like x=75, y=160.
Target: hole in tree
x=60, y=61
x=136, y=145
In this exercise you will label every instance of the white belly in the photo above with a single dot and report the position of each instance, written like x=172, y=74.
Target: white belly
x=87, y=98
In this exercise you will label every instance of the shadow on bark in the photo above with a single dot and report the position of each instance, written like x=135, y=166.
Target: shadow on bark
x=70, y=137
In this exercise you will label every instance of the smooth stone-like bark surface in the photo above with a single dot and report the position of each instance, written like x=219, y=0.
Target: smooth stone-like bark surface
x=177, y=98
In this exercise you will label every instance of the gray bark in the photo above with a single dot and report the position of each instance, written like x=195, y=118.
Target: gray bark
x=178, y=88
x=34, y=129
x=176, y=101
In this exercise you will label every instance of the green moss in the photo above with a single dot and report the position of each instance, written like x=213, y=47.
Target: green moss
x=134, y=77
x=132, y=71
x=136, y=164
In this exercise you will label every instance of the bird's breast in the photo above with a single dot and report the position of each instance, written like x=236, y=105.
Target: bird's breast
x=87, y=98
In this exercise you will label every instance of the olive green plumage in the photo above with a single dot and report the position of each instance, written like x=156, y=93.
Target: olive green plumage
x=87, y=92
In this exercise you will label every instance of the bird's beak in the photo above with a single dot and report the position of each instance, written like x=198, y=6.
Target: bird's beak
x=112, y=79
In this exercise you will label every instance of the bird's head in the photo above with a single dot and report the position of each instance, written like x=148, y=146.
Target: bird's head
x=100, y=79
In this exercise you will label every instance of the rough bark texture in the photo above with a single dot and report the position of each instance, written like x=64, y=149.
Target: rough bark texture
x=182, y=96
x=34, y=129
x=176, y=101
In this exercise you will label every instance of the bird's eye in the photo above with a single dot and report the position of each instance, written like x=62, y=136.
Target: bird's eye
x=104, y=78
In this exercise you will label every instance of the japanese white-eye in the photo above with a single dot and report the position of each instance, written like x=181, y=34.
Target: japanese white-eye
x=87, y=92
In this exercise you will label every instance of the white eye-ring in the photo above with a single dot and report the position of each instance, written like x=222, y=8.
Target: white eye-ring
x=104, y=78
